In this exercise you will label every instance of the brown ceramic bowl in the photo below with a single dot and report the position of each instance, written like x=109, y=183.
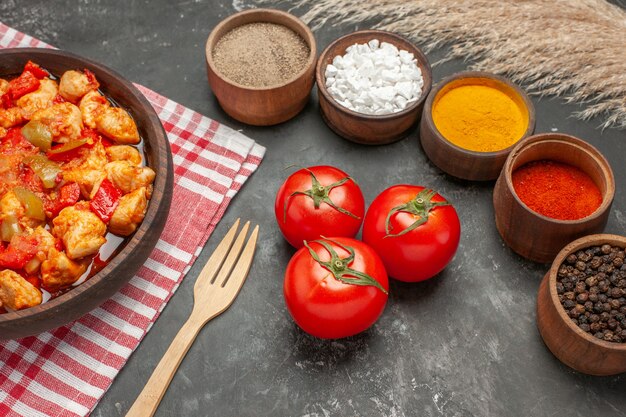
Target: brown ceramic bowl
x=364, y=128
x=530, y=234
x=88, y=295
x=262, y=106
x=570, y=344
x=460, y=162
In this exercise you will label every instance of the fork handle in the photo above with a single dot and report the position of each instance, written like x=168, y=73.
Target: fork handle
x=146, y=404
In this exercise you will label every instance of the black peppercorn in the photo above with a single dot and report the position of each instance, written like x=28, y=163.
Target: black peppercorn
x=582, y=298
x=595, y=262
x=591, y=287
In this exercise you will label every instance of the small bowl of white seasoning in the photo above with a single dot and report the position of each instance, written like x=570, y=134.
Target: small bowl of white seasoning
x=372, y=86
x=261, y=65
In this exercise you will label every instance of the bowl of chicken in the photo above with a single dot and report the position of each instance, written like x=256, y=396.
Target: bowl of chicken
x=86, y=183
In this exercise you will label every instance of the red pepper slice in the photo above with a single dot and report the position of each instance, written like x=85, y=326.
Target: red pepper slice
x=36, y=70
x=15, y=142
x=66, y=151
x=30, y=180
x=68, y=196
x=106, y=200
x=58, y=99
x=22, y=85
x=19, y=252
x=5, y=101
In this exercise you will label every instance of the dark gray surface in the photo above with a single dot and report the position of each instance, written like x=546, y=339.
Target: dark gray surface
x=462, y=344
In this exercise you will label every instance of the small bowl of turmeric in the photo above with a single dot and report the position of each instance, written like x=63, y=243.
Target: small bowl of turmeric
x=471, y=121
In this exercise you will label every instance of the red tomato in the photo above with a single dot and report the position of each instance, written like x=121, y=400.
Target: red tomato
x=340, y=294
x=414, y=234
x=318, y=201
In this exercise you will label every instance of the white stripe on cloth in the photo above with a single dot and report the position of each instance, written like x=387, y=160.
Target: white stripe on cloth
x=200, y=189
x=136, y=307
x=173, y=251
x=25, y=410
x=148, y=287
x=116, y=322
x=71, y=379
x=163, y=270
x=103, y=341
x=61, y=400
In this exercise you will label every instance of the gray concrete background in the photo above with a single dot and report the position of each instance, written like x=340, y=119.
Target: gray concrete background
x=462, y=344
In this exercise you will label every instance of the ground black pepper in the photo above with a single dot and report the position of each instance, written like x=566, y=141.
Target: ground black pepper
x=591, y=285
x=260, y=54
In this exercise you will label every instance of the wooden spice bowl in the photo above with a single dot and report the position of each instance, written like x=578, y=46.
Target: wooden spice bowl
x=535, y=236
x=262, y=106
x=132, y=255
x=568, y=342
x=455, y=160
x=364, y=128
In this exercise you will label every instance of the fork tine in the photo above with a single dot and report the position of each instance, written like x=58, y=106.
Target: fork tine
x=217, y=258
x=237, y=278
x=235, y=250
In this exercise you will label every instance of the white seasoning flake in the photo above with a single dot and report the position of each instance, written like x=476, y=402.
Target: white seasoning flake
x=374, y=78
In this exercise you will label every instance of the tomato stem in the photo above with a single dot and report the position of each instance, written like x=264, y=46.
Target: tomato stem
x=339, y=267
x=420, y=206
x=320, y=194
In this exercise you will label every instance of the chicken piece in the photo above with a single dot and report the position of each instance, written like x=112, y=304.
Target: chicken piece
x=124, y=153
x=12, y=209
x=75, y=84
x=4, y=86
x=45, y=242
x=116, y=124
x=88, y=171
x=129, y=213
x=91, y=105
x=3, y=132
x=10, y=117
x=16, y=292
x=38, y=99
x=80, y=230
x=58, y=271
x=128, y=177
x=63, y=120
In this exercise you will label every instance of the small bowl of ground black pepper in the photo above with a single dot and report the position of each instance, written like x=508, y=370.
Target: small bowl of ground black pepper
x=471, y=122
x=260, y=65
x=581, y=305
x=553, y=188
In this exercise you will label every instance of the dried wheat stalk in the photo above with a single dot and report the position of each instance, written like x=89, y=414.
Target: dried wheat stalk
x=570, y=48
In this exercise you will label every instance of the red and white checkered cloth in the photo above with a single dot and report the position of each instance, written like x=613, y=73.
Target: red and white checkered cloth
x=66, y=371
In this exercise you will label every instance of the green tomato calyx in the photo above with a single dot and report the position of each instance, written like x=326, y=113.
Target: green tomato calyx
x=420, y=206
x=339, y=267
x=320, y=194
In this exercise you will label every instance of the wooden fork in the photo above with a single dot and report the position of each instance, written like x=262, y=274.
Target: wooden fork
x=212, y=296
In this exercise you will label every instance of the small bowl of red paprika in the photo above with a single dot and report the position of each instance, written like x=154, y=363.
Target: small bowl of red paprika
x=553, y=189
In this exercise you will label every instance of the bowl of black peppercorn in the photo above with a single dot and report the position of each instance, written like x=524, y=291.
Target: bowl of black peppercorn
x=581, y=305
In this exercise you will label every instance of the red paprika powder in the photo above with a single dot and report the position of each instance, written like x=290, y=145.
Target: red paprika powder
x=557, y=190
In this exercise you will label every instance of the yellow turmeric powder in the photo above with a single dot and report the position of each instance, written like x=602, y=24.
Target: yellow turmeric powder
x=480, y=114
